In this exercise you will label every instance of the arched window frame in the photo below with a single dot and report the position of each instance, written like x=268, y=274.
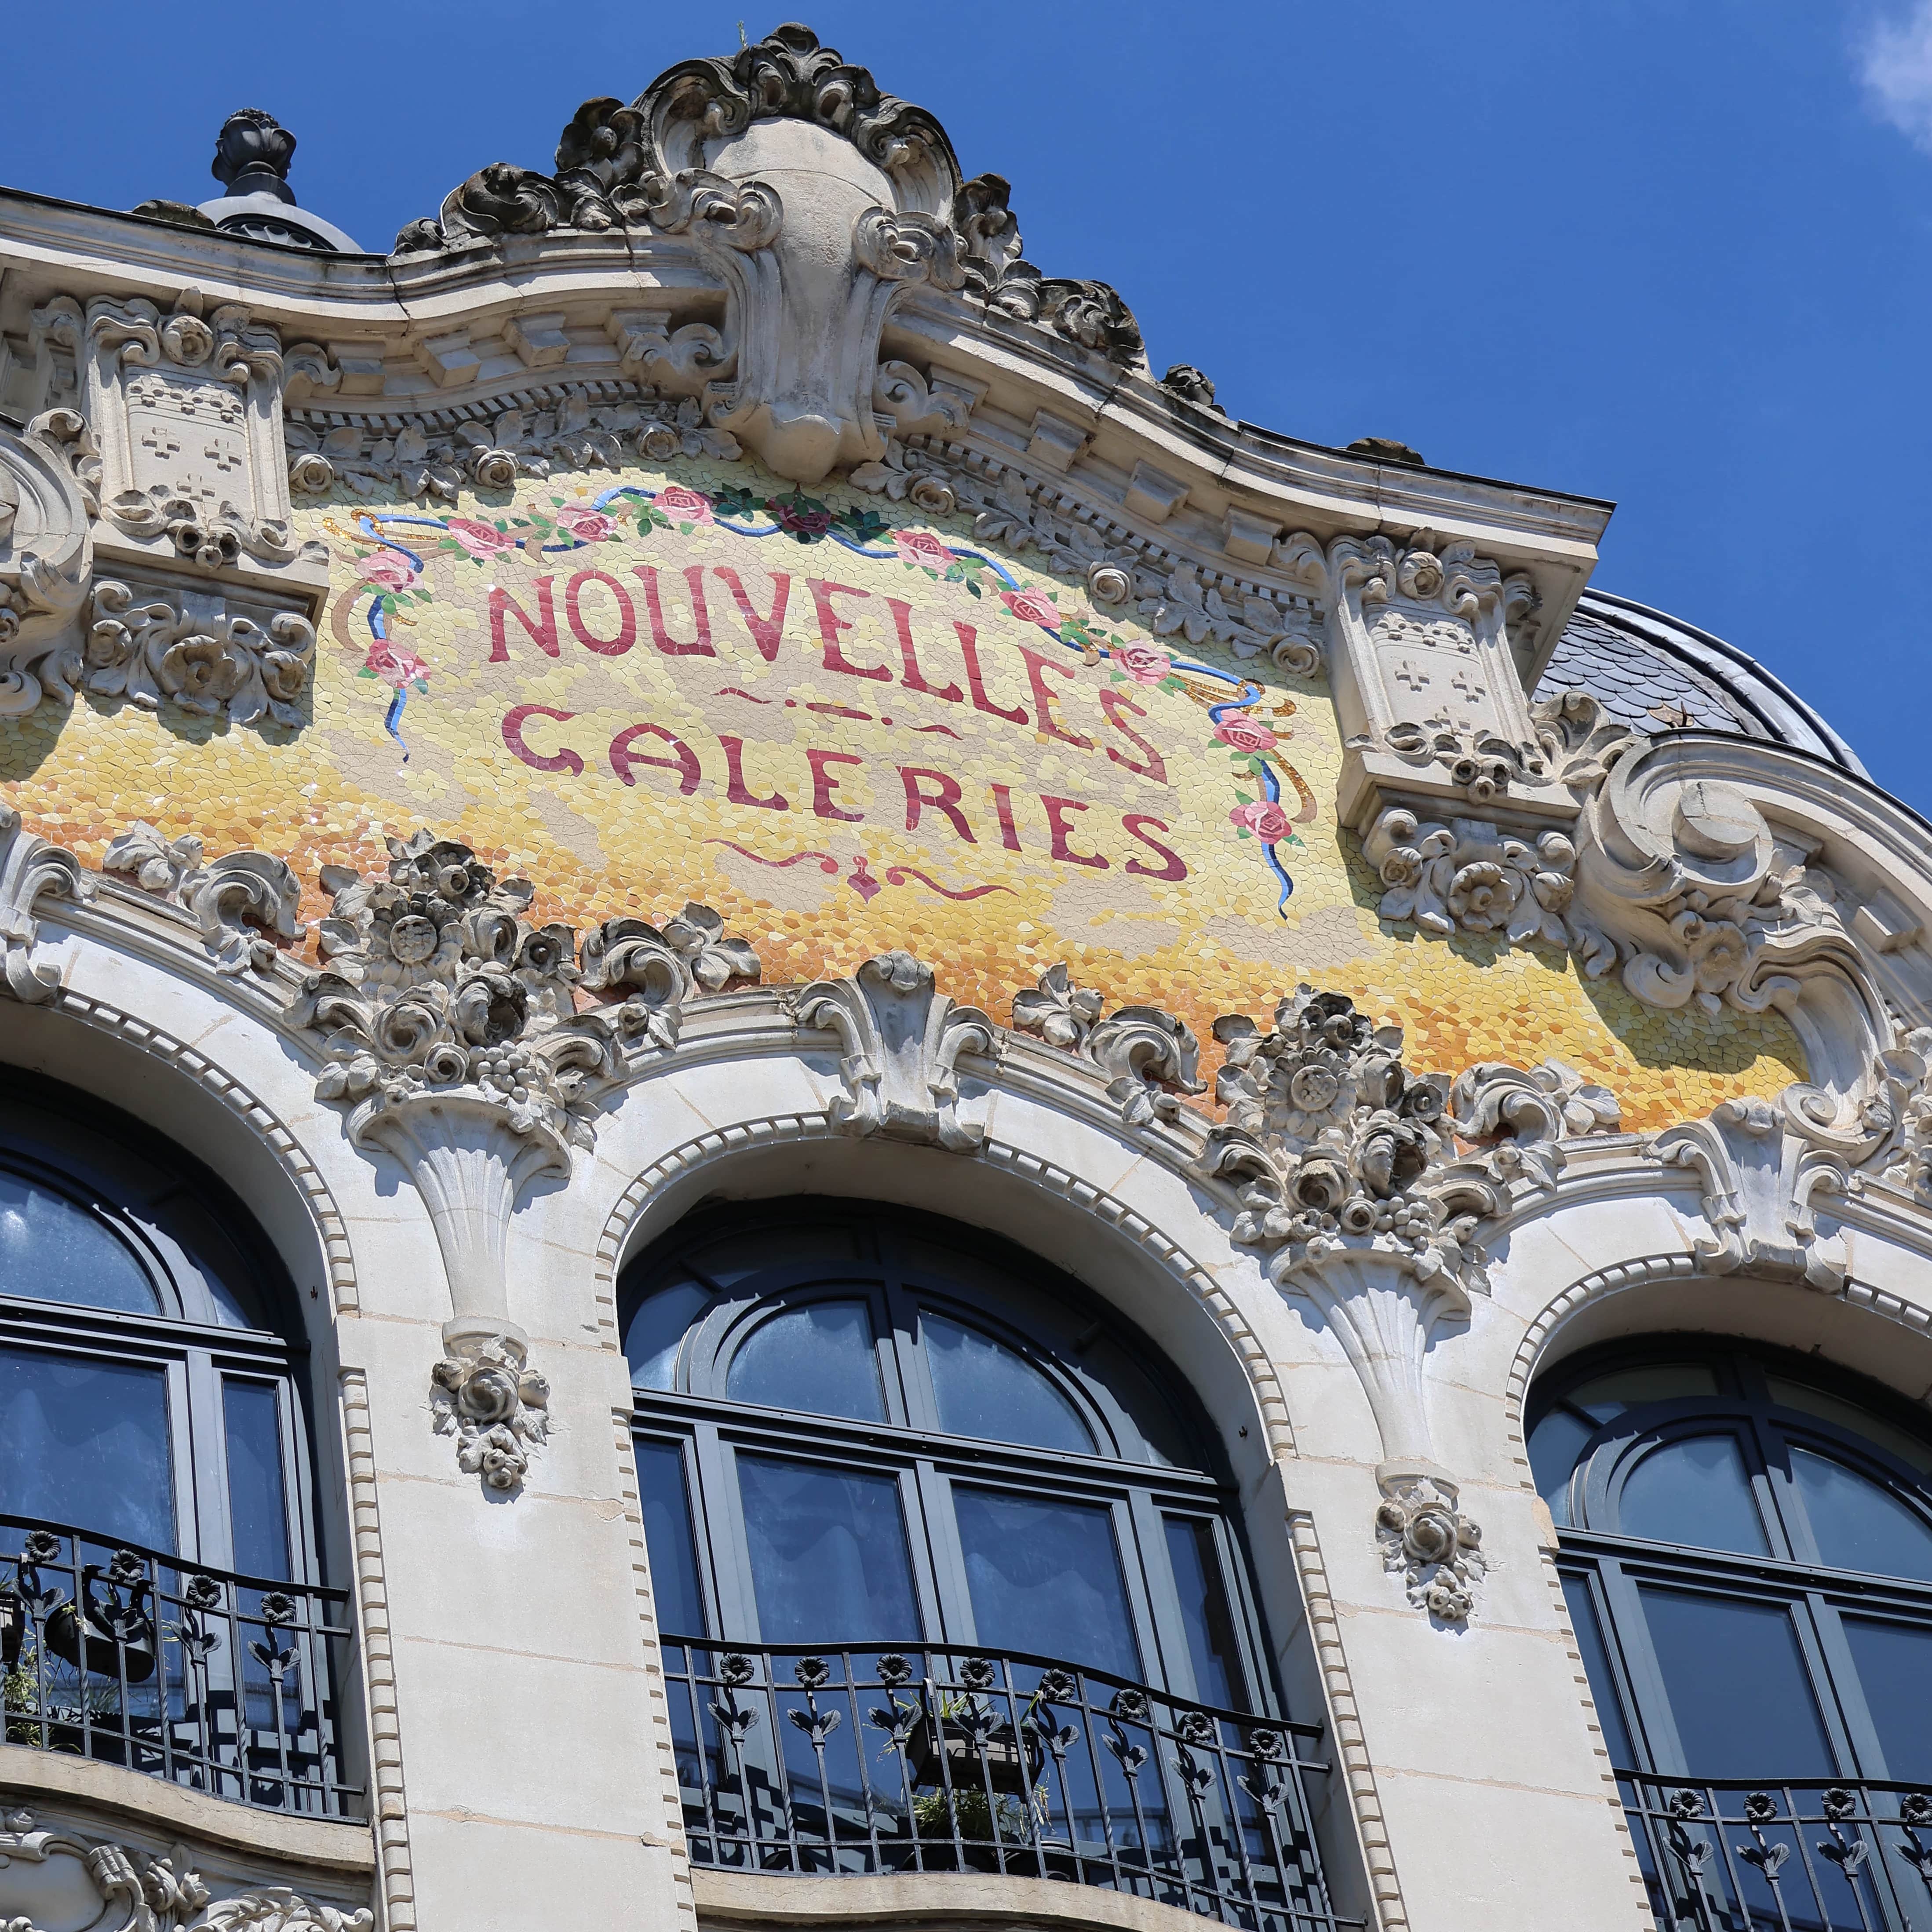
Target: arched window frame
x=1141, y=1491
x=1606, y=1569
x=221, y=1319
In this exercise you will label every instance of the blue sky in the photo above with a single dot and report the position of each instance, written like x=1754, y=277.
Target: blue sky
x=1675, y=253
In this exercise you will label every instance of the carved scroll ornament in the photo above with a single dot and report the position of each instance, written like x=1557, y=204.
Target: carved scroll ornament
x=140, y=1892
x=1150, y=1060
x=900, y=1042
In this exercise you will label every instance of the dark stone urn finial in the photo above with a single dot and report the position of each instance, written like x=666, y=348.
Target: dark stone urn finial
x=252, y=154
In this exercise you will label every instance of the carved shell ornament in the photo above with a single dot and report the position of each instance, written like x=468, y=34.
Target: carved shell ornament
x=648, y=165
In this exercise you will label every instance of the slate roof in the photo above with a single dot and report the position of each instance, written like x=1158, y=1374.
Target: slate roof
x=1657, y=673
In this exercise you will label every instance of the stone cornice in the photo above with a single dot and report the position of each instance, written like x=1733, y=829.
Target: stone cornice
x=1240, y=486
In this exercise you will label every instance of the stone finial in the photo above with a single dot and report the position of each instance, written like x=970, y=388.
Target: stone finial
x=1386, y=449
x=252, y=153
x=1183, y=380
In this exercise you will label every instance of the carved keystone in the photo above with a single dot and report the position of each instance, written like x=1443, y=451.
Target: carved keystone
x=901, y=1042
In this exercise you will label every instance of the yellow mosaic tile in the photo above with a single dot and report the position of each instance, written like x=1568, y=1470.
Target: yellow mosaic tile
x=642, y=688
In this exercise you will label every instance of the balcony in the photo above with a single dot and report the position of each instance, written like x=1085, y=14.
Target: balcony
x=224, y=1684
x=1824, y=1857
x=884, y=1762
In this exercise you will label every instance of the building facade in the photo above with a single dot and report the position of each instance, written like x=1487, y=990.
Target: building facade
x=817, y=1115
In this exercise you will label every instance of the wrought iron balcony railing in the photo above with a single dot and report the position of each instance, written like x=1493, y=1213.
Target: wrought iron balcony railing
x=828, y=1763
x=1822, y=1857
x=131, y=1657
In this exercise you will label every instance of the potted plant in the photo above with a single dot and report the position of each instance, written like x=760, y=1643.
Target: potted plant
x=978, y=1749
x=108, y=1634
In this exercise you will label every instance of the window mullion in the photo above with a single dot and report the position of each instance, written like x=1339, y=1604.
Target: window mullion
x=1627, y=1639
x=902, y=1357
x=1841, y=1671
x=202, y=1531
x=724, y=1535
x=952, y=1596
x=1142, y=1536
x=1834, y=1682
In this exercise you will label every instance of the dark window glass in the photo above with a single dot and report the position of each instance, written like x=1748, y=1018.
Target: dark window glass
x=1909, y=1450
x=820, y=1358
x=984, y=1388
x=86, y=1443
x=1739, y=1692
x=1211, y=1644
x=1045, y=1577
x=1597, y=1668
x=1555, y=1444
x=256, y=1486
x=1797, y=1669
x=657, y=1331
x=828, y=1549
x=1694, y=1491
x=726, y=1260
x=668, y=1541
x=1857, y=1525
x=889, y=1425
x=1603, y=1398
x=1895, y=1667
x=52, y=1249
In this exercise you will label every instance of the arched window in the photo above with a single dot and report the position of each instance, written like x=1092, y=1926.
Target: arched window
x=895, y=1473
x=1747, y=1550
x=155, y=1483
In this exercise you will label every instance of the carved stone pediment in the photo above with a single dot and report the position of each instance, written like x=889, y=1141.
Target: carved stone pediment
x=816, y=201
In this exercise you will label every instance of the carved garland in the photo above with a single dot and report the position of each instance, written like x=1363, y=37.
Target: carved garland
x=432, y=456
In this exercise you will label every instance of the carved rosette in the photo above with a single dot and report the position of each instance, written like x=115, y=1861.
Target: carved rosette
x=1349, y=1178
x=484, y=1394
x=1427, y=1542
x=1334, y=1148
x=204, y=653
x=436, y=989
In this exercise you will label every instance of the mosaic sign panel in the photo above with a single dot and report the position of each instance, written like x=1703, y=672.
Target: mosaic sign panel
x=849, y=726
